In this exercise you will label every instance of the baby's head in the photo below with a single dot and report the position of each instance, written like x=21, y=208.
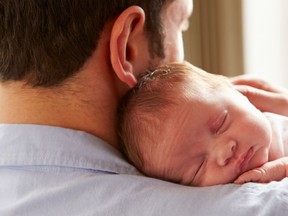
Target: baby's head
x=176, y=125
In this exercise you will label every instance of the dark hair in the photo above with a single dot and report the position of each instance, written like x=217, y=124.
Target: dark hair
x=45, y=42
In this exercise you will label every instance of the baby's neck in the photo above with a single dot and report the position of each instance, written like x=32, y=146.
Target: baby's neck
x=279, y=144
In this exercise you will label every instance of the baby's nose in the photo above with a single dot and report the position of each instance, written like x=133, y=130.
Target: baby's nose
x=225, y=153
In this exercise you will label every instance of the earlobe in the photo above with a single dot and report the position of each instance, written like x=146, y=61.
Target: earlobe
x=129, y=23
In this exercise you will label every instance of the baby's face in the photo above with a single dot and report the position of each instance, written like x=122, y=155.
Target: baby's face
x=213, y=140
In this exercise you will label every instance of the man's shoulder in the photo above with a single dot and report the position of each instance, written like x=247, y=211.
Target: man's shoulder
x=78, y=192
x=74, y=173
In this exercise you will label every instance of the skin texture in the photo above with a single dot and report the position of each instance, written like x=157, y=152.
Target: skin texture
x=266, y=96
x=272, y=171
x=276, y=168
x=206, y=144
x=89, y=101
x=201, y=132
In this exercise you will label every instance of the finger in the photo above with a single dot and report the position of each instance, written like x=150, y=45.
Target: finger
x=240, y=180
x=243, y=178
x=256, y=175
x=265, y=101
x=256, y=82
x=253, y=82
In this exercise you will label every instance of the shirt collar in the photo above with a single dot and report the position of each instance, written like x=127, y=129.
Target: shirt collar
x=54, y=146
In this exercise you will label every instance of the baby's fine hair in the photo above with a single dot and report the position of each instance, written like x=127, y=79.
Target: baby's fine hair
x=145, y=108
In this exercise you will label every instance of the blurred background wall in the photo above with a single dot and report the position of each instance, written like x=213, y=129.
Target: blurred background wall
x=232, y=37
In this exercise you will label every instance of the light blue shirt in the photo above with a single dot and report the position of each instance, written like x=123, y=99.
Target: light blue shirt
x=55, y=171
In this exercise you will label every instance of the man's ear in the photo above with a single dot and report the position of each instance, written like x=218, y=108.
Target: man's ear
x=127, y=26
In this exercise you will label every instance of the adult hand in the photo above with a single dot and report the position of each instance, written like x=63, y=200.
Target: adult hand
x=266, y=96
x=271, y=171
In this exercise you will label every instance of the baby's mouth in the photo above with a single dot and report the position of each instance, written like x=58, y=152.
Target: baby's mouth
x=244, y=161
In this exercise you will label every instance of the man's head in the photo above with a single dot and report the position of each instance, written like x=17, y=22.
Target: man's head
x=185, y=125
x=46, y=42
x=70, y=61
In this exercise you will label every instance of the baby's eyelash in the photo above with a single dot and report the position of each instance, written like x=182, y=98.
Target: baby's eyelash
x=199, y=168
x=219, y=128
x=219, y=131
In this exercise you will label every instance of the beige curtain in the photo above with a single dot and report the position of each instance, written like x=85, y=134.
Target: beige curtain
x=214, y=40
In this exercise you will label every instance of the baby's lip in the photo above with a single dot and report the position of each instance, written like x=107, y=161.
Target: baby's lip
x=244, y=160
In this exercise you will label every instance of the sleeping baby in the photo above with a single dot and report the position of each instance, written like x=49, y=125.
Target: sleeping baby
x=184, y=125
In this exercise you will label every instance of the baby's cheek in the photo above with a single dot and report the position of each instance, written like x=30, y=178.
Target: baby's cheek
x=285, y=139
x=217, y=177
x=260, y=157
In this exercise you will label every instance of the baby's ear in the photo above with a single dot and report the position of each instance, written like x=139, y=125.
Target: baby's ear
x=124, y=45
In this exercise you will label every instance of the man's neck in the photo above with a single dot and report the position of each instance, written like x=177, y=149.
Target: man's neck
x=73, y=107
x=87, y=102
